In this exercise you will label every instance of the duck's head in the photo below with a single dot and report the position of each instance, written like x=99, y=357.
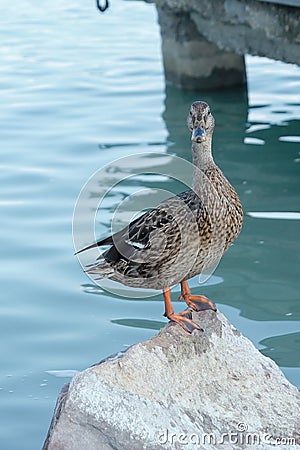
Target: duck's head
x=200, y=122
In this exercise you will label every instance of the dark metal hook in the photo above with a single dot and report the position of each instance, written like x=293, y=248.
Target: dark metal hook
x=103, y=7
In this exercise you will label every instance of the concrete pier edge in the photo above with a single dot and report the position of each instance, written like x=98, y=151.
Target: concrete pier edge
x=204, y=43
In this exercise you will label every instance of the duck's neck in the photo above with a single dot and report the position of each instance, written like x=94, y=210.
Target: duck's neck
x=202, y=159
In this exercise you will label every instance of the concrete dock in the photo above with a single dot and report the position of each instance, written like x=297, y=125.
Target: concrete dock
x=204, y=43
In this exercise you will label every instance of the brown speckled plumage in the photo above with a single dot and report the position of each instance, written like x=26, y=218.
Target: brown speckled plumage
x=184, y=235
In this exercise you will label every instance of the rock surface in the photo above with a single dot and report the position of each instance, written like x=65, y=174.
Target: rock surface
x=211, y=390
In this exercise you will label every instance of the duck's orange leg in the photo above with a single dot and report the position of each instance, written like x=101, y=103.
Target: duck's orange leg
x=186, y=323
x=195, y=302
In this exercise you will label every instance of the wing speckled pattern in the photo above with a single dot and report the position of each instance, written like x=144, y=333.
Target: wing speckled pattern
x=184, y=235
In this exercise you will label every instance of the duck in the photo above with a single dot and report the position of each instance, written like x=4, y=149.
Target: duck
x=183, y=236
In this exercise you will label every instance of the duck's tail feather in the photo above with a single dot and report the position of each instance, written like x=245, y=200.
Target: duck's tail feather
x=105, y=241
x=102, y=269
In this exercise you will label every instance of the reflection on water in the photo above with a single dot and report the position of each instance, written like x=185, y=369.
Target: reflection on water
x=76, y=95
x=283, y=349
x=140, y=323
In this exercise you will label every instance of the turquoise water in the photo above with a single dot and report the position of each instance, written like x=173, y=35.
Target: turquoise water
x=78, y=90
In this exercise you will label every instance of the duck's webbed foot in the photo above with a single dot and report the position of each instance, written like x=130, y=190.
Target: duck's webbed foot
x=187, y=324
x=184, y=319
x=199, y=302
x=195, y=302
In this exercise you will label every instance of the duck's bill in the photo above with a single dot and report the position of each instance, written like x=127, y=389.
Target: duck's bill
x=198, y=135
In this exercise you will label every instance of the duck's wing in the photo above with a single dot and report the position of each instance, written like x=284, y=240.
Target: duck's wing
x=116, y=237
x=108, y=240
x=143, y=237
x=156, y=235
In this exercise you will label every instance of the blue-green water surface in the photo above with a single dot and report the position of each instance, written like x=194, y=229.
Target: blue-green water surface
x=78, y=90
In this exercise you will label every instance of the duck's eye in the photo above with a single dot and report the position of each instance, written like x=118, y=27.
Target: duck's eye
x=208, y=113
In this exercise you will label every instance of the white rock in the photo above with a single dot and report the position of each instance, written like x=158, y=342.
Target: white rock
x=211, y=390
